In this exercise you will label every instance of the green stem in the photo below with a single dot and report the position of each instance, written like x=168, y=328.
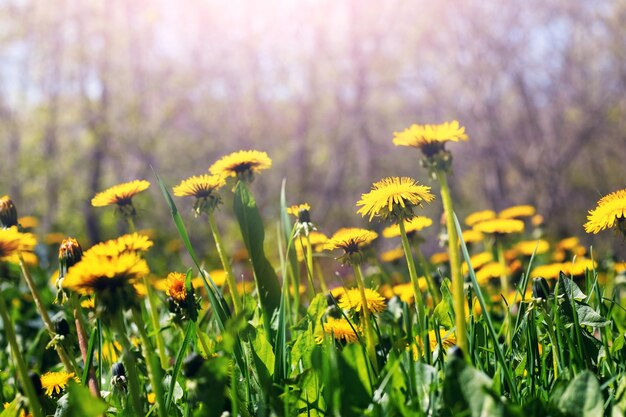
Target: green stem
x=369, y=333
x=154, y=370
x=430, y=280
x=129, y=364
x=81, y=326
x=309, y=267
x=504, y=280
x=156, y=326
x=419, y=301
x=65, y=359
x=22, y=370
x=230, y=278
x=455, y=262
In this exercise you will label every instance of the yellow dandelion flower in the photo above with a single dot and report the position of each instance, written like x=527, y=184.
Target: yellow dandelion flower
x=105, y=274
x=517, y=211
x=120, y=194
x=110, y=351
x=405, y=291
x=477, y=261
x=318, y=242
x=537, y=220
x=204, y=189
x=394, y=197
x=500, y=226
x=448, y=339
x=620, y=267
x=549, y=271
x=151, y=397
x=610, y=212
x=55, y=382
x=340, y=329
x=479, y=216
x=199, y=186
x=217, y=275
x=241, y=164
x=527, y=247
x=430, y=138
x=392, y=255
x=352, y=241
x=176, y=286
x=28, y=222
x=245, y=287
x=412, y=225
x=296, y=209
x=132, y=243
x=511, y=298
x=337, y=292
x=489, y=271
x=569, y=243
x=88, y=303
x=472, y=236
x=13, y=243
x=579, y=266
x=440, y=258
x=352, y=300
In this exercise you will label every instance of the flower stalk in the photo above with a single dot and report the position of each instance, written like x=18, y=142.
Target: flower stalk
x=455, y=262
x=230, y=278
x=369, y=332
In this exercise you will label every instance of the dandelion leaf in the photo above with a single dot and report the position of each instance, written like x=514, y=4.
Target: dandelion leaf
x=80, y=402
x=582, y=397
x=444, y=312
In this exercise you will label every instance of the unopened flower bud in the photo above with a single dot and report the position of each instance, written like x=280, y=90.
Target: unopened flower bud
x=118, y=369
x=70, y=252
x=540, y=288
x=61, y=326
x=8, y=213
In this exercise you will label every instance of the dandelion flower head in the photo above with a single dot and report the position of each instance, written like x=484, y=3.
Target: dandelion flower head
x=610, y=212
x=120, y=194
x=351, y=300
x=55, y=382
x=241, y=164
x=394, y=197
x=411, y=226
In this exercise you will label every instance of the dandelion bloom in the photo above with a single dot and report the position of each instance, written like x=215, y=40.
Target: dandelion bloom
x=340, y=329
x=610, y=212
x=55, y=382
x=297, y=208
x=527, y=247
x=517, y=211
x=430, y=138
x=549, y=271
x=100, y=274
x=579, y=266
x=569, y=243
x=412, y=225
x=204, y=189
x=352, y=241
x=394, y=197
x=392, y=255
x=440, y=258
x=175, y=287
x=479, y=216
x=130, y=243
x=351, y=300
x=477, y=261
x=13, y=243
x=241, y=164
x=472, y=236
x=120, y=194
x=405, y=291
x=489, y=271
x=317, y=239
x=448, y=339
x=500, y=226
x=28, y=222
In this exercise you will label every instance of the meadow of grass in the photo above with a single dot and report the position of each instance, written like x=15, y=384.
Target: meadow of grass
x=504, y=322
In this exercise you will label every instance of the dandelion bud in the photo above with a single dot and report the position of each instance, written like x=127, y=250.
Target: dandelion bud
x=192, y=364
x=70, y=252
x=541, y=288
x=118, y=369
x=455, y=352
x=61, y=326
x=8, y=213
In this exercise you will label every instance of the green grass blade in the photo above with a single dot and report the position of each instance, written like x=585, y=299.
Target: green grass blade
x=492, y=332
x=180, y=357
x=89, y=358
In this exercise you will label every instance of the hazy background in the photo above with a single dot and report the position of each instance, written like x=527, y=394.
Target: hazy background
x=93, y=92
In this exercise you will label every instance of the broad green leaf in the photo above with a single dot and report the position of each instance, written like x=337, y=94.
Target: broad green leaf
x=352, y=373
x=444, y=313
x=587, y=316
x=583, y=397
x=262, y=351
x=569, y=287
x=620, y=396
x=253, y=235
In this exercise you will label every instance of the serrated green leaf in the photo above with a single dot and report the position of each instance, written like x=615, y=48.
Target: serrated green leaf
x=444, y=313
x=569, y=287
x=587, y=316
